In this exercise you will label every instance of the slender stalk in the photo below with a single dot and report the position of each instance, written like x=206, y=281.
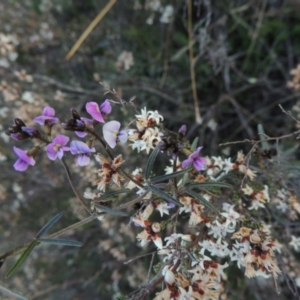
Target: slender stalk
x=192, y=70
x=74, y=188
x=120, y=170
x=92, y=25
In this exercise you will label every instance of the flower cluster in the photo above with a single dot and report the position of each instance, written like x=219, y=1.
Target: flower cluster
x=147, y=135
x=57, y=146
x=198, y=230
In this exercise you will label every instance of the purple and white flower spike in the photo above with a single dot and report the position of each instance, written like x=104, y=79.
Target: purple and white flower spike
x=96, y=112
x=48, y=114
x=195, y=159
x=112, y=133
x=81, y=148
x=24, y=160
x=57, y=147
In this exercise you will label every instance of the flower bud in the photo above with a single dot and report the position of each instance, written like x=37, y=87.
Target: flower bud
x=156, y=227
x=169, y=277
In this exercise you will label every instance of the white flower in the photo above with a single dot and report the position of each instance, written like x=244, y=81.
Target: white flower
x=295, y=243
x=155, y=116
x=143, y=115
x=282, y=206
x=219, y=248
x=228, y=165
x=167, y=14
x=163, y=208
x=220, y=230
x=256, y=205
x=238, y=255
x=231, y=217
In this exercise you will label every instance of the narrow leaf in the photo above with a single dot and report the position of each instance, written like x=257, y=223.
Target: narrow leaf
x=22, y=258
x=205, y=185
x=151, y=160
x=62, y=242
x=112, y=194
x=7, y=291
x=194, y=144
x=170, y=176
x=264, y=144
x=163, y=195
x=49, y=224
x=112, y=211
x=202, y=200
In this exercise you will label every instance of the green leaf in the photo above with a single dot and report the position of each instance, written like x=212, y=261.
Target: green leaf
x=7, y=291
x=22, y=258
x=62, y=242
x=264, y=144
x=170, y=176
x=111, y=210
x=120, y=296
x=112, y=194
x=49, y=224
x=201, y=200
x=206, y=185
x=151, y=160
x=163, y=195
x=194, y=144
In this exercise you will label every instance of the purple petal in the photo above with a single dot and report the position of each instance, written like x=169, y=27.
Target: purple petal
x=81, y=134
x=93, y=109
x=87, y=121
x=51, y=151
x=110, y=132
x=196, y=153
x=23, y=156
x=78, y=147
x=199, y=163
x=60, y=153
x=182, y=129
x=48, y=111
x=171, y=204
x=21, y=165
x=39, y=120
x=122, y=136
x=48, y=114
x=29, y=130
x=105, y=107
x=83, y=160
x=61, y=140
x=24, y=160
x=186, y=162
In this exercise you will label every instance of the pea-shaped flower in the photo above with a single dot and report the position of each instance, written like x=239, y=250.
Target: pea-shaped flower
x=83, y=151
x=24, y=160
x=57, y=147
x=112, y=133
x=97, y=112
x=47, y=115
x=195, y=159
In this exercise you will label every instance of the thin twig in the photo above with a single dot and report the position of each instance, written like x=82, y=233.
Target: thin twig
x=192, y=69
x=92, y=25
x=76, y=192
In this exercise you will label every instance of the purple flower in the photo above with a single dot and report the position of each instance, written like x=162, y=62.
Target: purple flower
x=78, y=147
x=57, y=147
x=96, y=112
x=112, y=133
x=48, y=114
x=84, y=122
x=24, y=160
x=182, y=130
x=197, y=161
